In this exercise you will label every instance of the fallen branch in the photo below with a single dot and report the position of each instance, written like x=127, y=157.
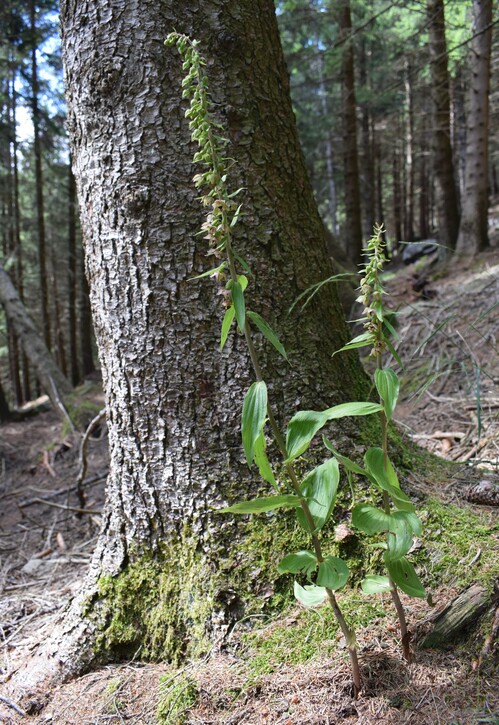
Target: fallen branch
x=61, y=506
x=12, y=705
x=83, y=454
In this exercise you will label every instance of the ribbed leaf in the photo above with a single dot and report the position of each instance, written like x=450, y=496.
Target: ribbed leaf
x=369, y=519
x=305, y=424
x=404, y=575
x=301, y=429
x=374, y=584
x=228, y=319
x=310, y=596
x=386, y=478
x=320, y=488
x=387, y=385
x=333, y=573
x=399, y=538
x=262, y=461
x=259, y=505
x=239, y=304
x=253, y=417
x=304, y=561
x=268, y=332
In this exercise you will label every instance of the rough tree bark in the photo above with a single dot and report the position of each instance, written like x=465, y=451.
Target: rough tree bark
x=163, y=577
x=353, y=214
x=447, y=200
x=473, y=229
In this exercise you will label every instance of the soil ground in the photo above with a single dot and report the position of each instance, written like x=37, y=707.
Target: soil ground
x=450, y=405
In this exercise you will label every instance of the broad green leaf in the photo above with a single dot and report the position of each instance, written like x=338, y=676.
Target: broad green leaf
x=387, y=385
x=363, y=340
x=304, y=561
x=386, y=478
x=238, y=301
x=243, y=281
x=310, y=596
x=253, y=417
x=268, y=332
x=369, y=519
x=374, y=584
x=411, y=518
x=301, y=429
x=399, y=538
x=398, y=525
x=259, y=505
x=346, y=462
x=345, y=410
x=262, y=461
x=404, y=575
x=320, y=488
x=333, y=573
x=305, y=424
x=230, y=313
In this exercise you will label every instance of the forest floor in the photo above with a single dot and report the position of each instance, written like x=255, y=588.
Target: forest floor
x=450, y=405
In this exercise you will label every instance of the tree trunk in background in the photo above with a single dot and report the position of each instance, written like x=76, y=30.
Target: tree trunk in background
x=447, y=197
x=367, y=173
x=59, y=342
x=473, y=231
x=353, y=214
x=53, y=381
x=19, y=276
x=5, y=413
x=397, y=207
x=423, y=192
x=173, y=400
x=410, y=153
x=459, y=127
x=40, y=213
x=328, y=146
x=378, y=161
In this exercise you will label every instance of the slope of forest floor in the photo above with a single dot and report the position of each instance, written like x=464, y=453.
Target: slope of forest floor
x=281, y=673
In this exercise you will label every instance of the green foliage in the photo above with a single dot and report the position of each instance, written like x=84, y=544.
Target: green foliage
x=313, y=498
x=319, y=488
x=253, y=417
x=260, y=505
x=306, y=423
x=178, y=693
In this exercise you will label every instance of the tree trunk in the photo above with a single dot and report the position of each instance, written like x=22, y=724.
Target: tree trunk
x=367, y=174
x=164, y=577
x=353, y=216
x=447, y=197
x=410, y=153
x=40, y=212
x=397, y=206
x=52, y=380
x=473, y=231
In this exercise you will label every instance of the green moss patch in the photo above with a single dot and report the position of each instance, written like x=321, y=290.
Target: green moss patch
x=460, y=546
x=179, y=693
x=157, y=607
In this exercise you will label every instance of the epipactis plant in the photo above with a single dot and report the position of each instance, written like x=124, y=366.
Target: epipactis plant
x=312, y=497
